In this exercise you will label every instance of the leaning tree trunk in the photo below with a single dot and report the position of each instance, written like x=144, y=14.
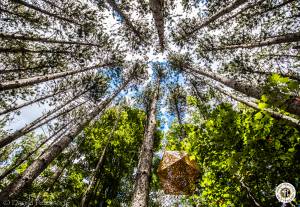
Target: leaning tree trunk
x=157, y=7
x=216, y=16
x=20, y=161
x=39, y=79
x=182, y=135
x=38, y=122
x=14, y=108
x=24, y=50
x=249, y=90
x=287, y=38
x=128, y=22
x=31, y=6
x=290, y=75
x=289, y=120
x=247, y=7
x=45, y=40
x=42, y=162
x=85, y=197
x=141, y=186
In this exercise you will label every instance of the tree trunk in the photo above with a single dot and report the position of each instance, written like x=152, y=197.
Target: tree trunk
x=39, y=79
x=289, y=120
x=84, y=200
x=248, y=6
x=24, y=50
x=124, y=16
x=45, y=12
x=38, y=122
x=179, y=121
x=287, y=38
x=45, y=40
x=141, y=186
x=30, y=102
x=249, y=90
x=20, y=161
x=41, y=163
x=216, y=16
x=157, y=7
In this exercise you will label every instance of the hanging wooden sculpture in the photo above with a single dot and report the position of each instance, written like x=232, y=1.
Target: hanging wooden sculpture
x=177, y=173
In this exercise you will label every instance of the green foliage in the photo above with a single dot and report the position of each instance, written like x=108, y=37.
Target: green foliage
x=235, y=149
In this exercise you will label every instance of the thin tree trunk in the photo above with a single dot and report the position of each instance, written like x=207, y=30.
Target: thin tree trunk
x=41, y=163
x=287, y=38
x=57, y=175
x=157, y=7
x=24, y=50
x=124, y=16
x=14, y=108
x=37, y=122
x=216, y=16
x=39, y=79
x=280, y=55
x=45, y=12
x=141, y=186
x=20, y=161
x=84, y=200
x=179, y=121
x=289, y=120
x=27, y=69
x=293, y=104
x=45, y=40
x=247, y=7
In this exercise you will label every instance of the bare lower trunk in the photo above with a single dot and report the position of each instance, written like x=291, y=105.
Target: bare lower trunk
x=216, y=16
x=41, y=163
x=45, y=40
x=84, y=200
x=36, y=123
x=293, y=104
x=39, y=79
x=31, y=6
x=141, y=186
x=287, y=38
x=157, y=7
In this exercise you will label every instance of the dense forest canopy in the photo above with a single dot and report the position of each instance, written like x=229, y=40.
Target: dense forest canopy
x=94, y=92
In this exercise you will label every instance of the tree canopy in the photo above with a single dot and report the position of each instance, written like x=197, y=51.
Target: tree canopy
x=93, y=92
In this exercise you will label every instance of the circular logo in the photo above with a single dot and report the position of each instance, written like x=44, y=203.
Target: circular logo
x=285, y=192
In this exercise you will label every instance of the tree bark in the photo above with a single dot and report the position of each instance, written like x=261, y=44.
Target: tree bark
x=39, y=79
x=20, y=161
x=45, y=40
x=248, y=6
x=289, y=120
x=287, y=38
x=38, y=122
x=268, y=73
x=157, y=7
x=249, y=90
x=128, y=22
x=216, y=16
x=24, y=50
x=11, y=109
x=45, y=12
x=41, y=163
x=141, y=186
x=85, y=200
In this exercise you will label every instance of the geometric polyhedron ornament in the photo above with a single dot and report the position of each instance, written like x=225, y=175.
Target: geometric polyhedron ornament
x=177, y=173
